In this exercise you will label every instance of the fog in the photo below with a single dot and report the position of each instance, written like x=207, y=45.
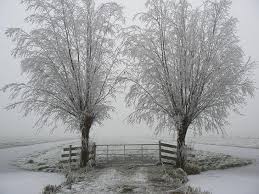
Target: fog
x=12, y=124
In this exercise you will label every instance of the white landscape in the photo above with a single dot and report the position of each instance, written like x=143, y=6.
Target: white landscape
x=215, y=181
x=119, y=96
x=232, y=181
x=15, y=180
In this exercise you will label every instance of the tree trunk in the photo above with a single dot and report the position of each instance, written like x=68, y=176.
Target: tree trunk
x=85, y=130
x=181, y=149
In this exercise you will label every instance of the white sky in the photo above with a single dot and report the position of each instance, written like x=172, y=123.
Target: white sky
x=13, y=124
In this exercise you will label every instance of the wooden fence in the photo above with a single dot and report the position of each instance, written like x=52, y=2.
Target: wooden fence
x=71, y=154
x=163, y=152
x=167, y=153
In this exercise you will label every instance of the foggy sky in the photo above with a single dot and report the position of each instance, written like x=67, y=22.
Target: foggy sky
x=13, y=124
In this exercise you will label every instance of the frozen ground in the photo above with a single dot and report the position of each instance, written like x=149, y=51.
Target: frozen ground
x=243, y=180
x=45, y=160
x=25, y=182
x=17, y=181
x=114, y=178
x=50, y=160
x=249, y=142
x=125, y=179
x=9, y=142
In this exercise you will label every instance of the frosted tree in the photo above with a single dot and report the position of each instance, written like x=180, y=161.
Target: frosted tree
x=71, y=59
x=188, y=70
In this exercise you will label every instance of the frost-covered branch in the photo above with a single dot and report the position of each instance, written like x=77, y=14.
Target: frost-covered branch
x=188, y=62
x=71, y=56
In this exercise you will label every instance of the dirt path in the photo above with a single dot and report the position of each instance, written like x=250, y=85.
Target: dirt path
x=124, y=179
x=118, y=180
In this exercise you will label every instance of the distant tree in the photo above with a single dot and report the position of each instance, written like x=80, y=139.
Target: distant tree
x=71, y=59
x=188, y=70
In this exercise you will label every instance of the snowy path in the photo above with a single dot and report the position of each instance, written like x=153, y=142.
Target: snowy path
x=243, y=180
x=112, y=180
x=17, y=181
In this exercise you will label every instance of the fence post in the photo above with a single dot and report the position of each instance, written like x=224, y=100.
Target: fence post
x=107, y=153
x=142, y=154
x=94, y=153
x=159, y=145
x=70, y=153
x=124, y=153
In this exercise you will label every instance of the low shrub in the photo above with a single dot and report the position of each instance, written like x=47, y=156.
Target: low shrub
x=176, y=174
x=126, y=188
x=191, y=190
x=50, y=189
x=188, y=190
x=191, y=168
x=30, y=161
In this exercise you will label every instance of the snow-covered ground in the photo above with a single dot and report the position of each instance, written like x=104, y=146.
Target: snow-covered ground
x=17, y=181
x=141, y=178
x=114, y=179
x=9, y=142
x=111, y=180
x=248, y=142
x=243, y=180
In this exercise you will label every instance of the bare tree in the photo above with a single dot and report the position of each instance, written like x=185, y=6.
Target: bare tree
x=188, y=68
x=71, y=59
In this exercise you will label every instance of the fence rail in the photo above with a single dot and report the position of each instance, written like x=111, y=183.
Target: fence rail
x=107, y=152
x=70, y=156
x=168, y=145
x=72, y=148
x=168, y=153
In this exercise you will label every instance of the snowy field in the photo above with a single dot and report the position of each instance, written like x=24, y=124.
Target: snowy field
x=8, y=142
x=246, y=179
x=17, y=181
x=243, y=180
x=249, y=142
